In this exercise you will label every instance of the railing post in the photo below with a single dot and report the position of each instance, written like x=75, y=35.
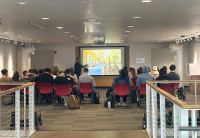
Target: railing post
x=154, y=112
x=17, y=114
x=31, y=110
x=148, y=108
x=184, y=122
x=162, y=117
x=176, y=110
x=194, y=122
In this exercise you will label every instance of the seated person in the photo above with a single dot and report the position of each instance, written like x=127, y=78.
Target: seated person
x=4, y=77
x=15, y=77
x=172, y=73
x=122, y=79
x=24, y=74
x=73, y=76
x=139, y=71
x=71, y=80
x=29, y=77
x=145, y=76
x=155, y=72
x=163, y=76
x=61, y=79
x=38, y=75
x=89, y=79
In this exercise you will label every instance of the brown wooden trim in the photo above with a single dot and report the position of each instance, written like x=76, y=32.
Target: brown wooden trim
x=178, y=102
x=24, y=85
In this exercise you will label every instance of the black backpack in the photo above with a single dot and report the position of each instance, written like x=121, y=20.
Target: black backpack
x=110, y=90
x=96, y=98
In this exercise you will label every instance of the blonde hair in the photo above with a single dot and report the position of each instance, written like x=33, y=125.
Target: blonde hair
x=62, y=74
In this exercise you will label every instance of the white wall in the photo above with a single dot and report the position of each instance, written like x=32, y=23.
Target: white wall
x=8, y=57
x=65, y=56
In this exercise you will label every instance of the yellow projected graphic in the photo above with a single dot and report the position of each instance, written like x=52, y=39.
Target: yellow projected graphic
x=103, y=61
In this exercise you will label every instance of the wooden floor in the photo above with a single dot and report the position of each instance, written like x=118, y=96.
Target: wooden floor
x=91, y=134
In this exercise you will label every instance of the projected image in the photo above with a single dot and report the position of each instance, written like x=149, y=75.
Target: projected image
x=103, y=61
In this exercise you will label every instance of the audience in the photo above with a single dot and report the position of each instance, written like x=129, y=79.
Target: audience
x=139, y=71
x=4, y=77
x=56, y=72
x=125, y=68
x=165, y=68
x=24, y=74
x=89, y=79
x=172, y=73
x=122, y=79
x=133, y=73
x=15, y=77
x=155, y=72
x=61, y=79
x=145, y=76
x=129, y=73
x=73, y=76
x=38, y=75
x=163, y=76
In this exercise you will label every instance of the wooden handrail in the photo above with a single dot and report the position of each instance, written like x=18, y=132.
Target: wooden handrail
x=173, y=99
x=24, y=85
x=15, y=83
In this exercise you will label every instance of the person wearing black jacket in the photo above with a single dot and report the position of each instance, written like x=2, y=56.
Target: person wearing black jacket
x=163, y=76
x=77, y=67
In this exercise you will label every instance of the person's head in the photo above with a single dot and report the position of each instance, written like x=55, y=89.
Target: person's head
x=130, y=69
x=120, y=71
x=62, y=75
x=172, y=67
x=68, y=72
x=29, y=70
x=78, y=59
x=164, y=67
x=133, y=72
x=55, y=71
x=72, y=71
x=125, y=67
x=15, y=76
x=47, y=70
x=40, y=71
x=4, y=72
x=162, y=72
x=155, y=68
x=145, y=69
x=85, y=70
x=24, y=73
x=139, y=70
x=123, y=73
x=35, y=71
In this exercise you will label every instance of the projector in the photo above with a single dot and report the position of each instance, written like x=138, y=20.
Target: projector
x=99, y=42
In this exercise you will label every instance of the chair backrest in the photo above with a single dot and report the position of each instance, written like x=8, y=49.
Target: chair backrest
x=37, y=83
x=176, y=86
x=85, y=87
x=143, y=89
x=134, y=84
x=6, y=87
x=167, y=87
x=121, y=89
x=45, y=87
x=71, y=86
x=62, y=89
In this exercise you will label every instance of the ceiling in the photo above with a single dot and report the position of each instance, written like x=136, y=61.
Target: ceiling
x=160, y=20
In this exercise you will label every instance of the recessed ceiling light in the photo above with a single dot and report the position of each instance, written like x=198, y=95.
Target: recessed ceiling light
x=59, y=27
x=76, y=38
x=178, y=34
x=66, y=32
x=85, y=2
x=21, y=3
x=71, y=36
x=130, y=26
x=159, y=41
x=170, y=37
x=122, y=40
x=38, y=41
x=45, y=18
x=6, y=32
x=146, y=1
x=128, y=31
x=125, y=35
x=188, y=30
x=29, y=39
x=136, y=17
x=19, y=36
x=164, y=39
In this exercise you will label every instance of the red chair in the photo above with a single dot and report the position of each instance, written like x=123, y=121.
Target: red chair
x=168, y=87
x=86, y=88
x=176, y=86
x=37, y=83
x=143, y=89
x=27, y=90
x=134, y=84
x=6, y=87
x=122, y=90
x=45, y=88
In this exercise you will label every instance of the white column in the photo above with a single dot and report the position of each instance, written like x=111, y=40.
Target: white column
x=162, y=117
x=184, y=123
x=17, y=114
x=31, y=110
x=154, y=112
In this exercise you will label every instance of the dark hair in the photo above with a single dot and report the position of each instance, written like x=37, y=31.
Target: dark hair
x=133, y=72
x=125, y=67
x=40, y=71
x=72, y=71
x=85, y=70
x=67, y=71
x=4, y=71
x=34, y=71
x=139, y=70
x=77, y=58
x=29, y=70
x=149, y=69
x=55, y=71
x=162, y=72
x=24, y=72
x=15, y=76
x=123, y=73
x=47, y=70
x=172, y=67
x=164, y=67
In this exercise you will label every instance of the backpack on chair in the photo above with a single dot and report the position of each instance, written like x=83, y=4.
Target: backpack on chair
x=73, y=102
